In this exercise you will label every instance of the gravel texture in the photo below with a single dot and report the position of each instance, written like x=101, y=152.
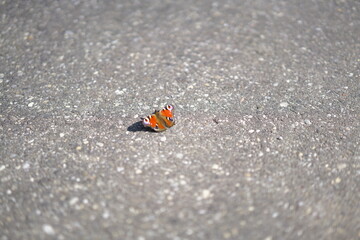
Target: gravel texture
x=267, y=102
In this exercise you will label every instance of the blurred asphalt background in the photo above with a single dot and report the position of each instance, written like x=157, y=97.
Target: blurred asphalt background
x=266, y=97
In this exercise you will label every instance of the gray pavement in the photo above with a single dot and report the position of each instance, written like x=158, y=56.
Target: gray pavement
x=266, y=97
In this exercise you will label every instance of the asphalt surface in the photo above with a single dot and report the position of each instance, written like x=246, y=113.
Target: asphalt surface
x=267, y=102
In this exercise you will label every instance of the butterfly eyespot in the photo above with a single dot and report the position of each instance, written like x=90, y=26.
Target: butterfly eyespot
x=169, y=107
x=146, y=121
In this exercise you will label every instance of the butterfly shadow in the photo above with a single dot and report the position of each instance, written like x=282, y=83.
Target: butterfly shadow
x=138, y=127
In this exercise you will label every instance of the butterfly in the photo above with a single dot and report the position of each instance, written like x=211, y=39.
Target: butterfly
x=160, y=120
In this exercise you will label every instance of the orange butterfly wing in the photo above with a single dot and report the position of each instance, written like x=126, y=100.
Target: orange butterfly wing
x=153, y=122
x=166, y=114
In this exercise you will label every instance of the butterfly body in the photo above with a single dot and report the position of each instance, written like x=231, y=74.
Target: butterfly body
x=160, y=120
